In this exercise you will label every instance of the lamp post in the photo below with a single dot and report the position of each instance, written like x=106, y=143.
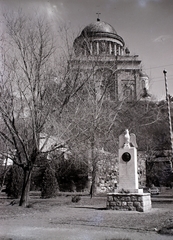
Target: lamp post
x=169, y=115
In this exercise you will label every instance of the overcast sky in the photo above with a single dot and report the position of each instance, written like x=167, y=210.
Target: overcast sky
x=145, y=25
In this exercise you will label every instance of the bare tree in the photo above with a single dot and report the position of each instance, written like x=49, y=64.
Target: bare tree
x=26, y=103
x=92, y=112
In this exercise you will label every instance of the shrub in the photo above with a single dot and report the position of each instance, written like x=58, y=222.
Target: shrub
x=14, y=181
x=76, y=199
x=49, y=183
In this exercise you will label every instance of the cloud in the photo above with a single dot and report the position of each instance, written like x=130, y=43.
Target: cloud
x=143, y=3
x=49, y=9
x=162, y=38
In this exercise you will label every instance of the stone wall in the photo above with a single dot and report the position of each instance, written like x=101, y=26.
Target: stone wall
x=140, y=202
x=108, y=172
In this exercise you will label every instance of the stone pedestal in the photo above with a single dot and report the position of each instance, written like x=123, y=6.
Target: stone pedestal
x=140, y=202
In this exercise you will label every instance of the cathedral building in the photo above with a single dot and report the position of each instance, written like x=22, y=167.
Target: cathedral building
x=101, y=55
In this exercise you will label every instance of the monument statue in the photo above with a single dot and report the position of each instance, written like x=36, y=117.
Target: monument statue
x=128, y=195
x=126, y=140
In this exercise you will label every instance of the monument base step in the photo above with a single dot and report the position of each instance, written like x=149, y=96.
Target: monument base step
x=120, y=190
x=140, y=202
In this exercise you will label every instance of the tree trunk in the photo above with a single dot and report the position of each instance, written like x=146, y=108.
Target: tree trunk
x=26, y=188
x=94, y=168
x=93, y=184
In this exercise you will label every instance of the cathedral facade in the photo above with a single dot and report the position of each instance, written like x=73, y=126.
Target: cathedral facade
x=101, y=55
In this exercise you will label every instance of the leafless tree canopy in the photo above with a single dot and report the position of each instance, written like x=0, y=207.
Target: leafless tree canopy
x=26, y=103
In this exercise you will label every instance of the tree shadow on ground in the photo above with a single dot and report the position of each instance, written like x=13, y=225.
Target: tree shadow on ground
x=88, y=207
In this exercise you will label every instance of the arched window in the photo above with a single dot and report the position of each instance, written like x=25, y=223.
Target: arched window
x=94, y=48
x=105, y=84
x=128, y=92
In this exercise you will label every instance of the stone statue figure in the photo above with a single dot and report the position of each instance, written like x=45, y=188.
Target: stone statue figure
x=126, y=139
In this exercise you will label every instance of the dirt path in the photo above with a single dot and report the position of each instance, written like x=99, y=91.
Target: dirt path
x=62, y=232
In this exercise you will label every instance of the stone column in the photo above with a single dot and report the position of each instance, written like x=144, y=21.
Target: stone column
x=121, y=51
x=110, y=48
x=115, y=49
x=97, y=48
x=91, y=48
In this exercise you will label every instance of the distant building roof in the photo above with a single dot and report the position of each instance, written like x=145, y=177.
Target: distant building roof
x=142, y=74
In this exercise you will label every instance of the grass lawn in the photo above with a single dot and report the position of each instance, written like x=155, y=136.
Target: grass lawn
x=61, y=213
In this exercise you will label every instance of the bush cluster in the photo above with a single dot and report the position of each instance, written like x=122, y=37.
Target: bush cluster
x=14, y=181
x=49, y=183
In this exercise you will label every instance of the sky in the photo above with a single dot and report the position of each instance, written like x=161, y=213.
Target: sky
x=145, y=25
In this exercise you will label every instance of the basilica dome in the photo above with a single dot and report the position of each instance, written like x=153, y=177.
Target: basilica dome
x=98, y=38
x=98, y=27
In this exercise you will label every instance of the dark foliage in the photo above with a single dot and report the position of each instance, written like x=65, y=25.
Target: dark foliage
x=38, y=172
x=14, y=181
x=158, y=173
x=71, y=175
x=49, y=182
